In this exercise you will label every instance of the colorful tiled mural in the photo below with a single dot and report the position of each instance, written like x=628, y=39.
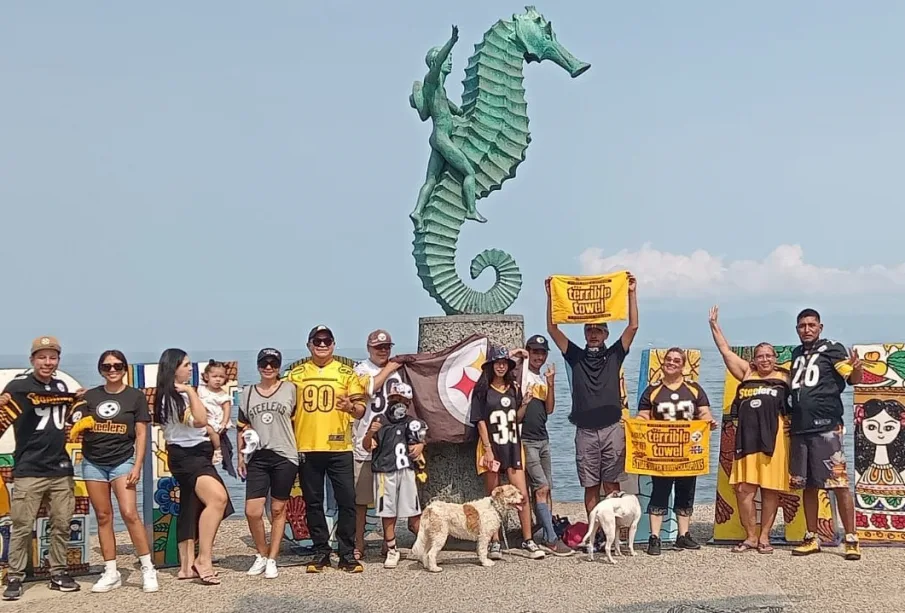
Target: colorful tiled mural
x=880, y=445
x=80, y=525
x=727, y=527
x=162, y=495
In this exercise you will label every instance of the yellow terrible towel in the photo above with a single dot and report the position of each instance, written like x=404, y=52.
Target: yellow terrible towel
x=589, y=299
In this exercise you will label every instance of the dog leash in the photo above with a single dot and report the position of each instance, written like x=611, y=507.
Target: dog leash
x=501, y=513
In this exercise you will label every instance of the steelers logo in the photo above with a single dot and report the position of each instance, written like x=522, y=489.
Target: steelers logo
x=674, y=396
x=539, y=339
x=61, y=386
x=77, y=415
x=755, y=403
x=381, y=337
x=415, y=425
x=696, y=437
x=505, y=401
x=267, y=418
x=108, y=409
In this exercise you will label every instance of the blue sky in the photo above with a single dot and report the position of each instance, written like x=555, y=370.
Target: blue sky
x=222, y=176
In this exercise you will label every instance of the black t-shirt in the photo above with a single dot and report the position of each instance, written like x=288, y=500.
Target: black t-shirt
x=757, y=406
x=681, y=404
x=818, y=379
x=112, y=439
x=393, y=440
x=596, y=401
x=499, y=411
x=39, y=412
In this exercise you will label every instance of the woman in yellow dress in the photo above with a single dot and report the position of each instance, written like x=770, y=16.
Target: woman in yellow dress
x=761, y=457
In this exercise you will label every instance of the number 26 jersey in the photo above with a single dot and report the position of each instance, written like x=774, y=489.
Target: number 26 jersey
x=819, y=375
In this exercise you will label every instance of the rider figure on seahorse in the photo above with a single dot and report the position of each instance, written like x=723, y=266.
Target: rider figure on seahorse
x=431, y=102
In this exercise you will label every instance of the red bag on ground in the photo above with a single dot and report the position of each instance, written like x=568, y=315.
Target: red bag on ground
x=574, y=534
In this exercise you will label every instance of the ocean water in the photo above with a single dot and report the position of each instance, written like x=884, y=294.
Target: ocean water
x=562, y=434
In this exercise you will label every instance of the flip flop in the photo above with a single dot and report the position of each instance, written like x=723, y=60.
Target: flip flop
x=743, y=547
x=195, y=576
x=764, y=548
x=211, y=579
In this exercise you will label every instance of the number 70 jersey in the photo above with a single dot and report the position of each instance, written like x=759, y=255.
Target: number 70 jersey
x=819, y=376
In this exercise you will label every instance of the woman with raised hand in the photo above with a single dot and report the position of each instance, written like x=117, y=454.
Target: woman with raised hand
x=204, y=500
x=114, y=418
x=761, y=458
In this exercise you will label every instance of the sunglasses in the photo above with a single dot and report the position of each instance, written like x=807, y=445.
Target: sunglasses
x=322, y=341
x=269, y=364
x=382, y=347
x=118, y=367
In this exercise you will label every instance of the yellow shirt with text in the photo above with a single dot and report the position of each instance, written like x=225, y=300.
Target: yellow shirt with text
x=319, y=425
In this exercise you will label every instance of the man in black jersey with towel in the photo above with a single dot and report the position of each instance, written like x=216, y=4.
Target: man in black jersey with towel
x=38, y=405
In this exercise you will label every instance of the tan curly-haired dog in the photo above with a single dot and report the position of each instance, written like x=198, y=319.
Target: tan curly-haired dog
x=477, y=521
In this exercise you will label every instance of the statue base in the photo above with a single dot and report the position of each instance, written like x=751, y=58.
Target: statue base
x=452, y=474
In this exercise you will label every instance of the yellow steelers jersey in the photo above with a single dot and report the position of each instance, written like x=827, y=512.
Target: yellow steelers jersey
x=319, y=425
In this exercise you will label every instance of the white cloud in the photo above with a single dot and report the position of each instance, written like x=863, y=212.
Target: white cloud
x=784, y=272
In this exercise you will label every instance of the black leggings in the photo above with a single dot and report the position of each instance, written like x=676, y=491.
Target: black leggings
x=683, y=503
x=339, y=467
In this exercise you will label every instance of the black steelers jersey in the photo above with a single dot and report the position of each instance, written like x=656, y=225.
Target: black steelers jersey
x=680, y=404
x=392, y=444
x=500, y=414
x=39, y=413
x=819, y=376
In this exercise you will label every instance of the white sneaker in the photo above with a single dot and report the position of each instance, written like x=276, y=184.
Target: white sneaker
x=108, y=581
x=149, y=579
x=392, y=560
x=270, y=570
x=258, y=567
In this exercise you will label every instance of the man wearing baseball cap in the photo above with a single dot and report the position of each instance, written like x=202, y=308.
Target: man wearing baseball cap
x=377, y=374
x=596, y=399
x=330, y=396
x=535, y=439
x=42, y=471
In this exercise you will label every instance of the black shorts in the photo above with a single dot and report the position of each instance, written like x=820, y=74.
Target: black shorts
x=271, y=473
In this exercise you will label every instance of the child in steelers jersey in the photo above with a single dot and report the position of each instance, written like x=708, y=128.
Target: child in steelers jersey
x=396, y=442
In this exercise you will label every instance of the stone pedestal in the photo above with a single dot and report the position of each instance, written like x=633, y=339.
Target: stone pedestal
x=451, y=467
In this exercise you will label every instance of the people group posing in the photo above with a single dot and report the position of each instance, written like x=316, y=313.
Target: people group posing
x=356, y=426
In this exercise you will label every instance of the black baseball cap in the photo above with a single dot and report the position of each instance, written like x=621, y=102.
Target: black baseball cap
x=538, y=342
x=316, y=329
x=270, y=353
x=600, y=326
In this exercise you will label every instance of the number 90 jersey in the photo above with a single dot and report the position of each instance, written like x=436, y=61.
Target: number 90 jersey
x=819, y=375
x=393, y=440
x=319, y=425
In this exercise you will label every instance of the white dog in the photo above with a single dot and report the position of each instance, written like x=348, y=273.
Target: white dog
x=617, y=510
x=477, y=521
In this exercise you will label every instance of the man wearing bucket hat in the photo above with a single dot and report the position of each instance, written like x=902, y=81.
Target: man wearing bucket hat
x=43, y=469
x=596, y=399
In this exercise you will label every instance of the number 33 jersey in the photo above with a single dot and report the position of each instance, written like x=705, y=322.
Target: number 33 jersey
x=667, y=404
x=499, y=413
x=38, y=412
x=393, y=440
x=819, y=374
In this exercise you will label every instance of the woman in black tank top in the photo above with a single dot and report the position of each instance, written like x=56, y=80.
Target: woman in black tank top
x=754, y=446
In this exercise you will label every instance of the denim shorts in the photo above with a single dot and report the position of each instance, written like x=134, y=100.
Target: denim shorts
x=105, y=474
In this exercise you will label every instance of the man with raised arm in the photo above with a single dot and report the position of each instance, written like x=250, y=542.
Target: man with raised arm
x=596, y=401
x=820, y=370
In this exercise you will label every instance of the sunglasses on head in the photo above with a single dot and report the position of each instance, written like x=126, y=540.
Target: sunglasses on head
x=322, y=341
x=118, y=367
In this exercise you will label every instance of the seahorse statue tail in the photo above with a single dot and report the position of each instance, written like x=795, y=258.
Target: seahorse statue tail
x=493, y=134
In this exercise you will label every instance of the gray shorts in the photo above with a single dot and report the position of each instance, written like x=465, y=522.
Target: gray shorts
x=396, y=494
x=537, y=464
x=600, y=455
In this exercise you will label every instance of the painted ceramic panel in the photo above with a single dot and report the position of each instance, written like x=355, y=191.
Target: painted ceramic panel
x=161, y=498
x=80, y=526
x=727, y=527
x=880, y=445
x=651, y=371
x=296, y=531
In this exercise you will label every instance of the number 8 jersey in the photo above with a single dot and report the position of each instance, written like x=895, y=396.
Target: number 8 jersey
x=393, y=440
x=819, y=375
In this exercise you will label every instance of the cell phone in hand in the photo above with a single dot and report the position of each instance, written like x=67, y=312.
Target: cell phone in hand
x=495, y=466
